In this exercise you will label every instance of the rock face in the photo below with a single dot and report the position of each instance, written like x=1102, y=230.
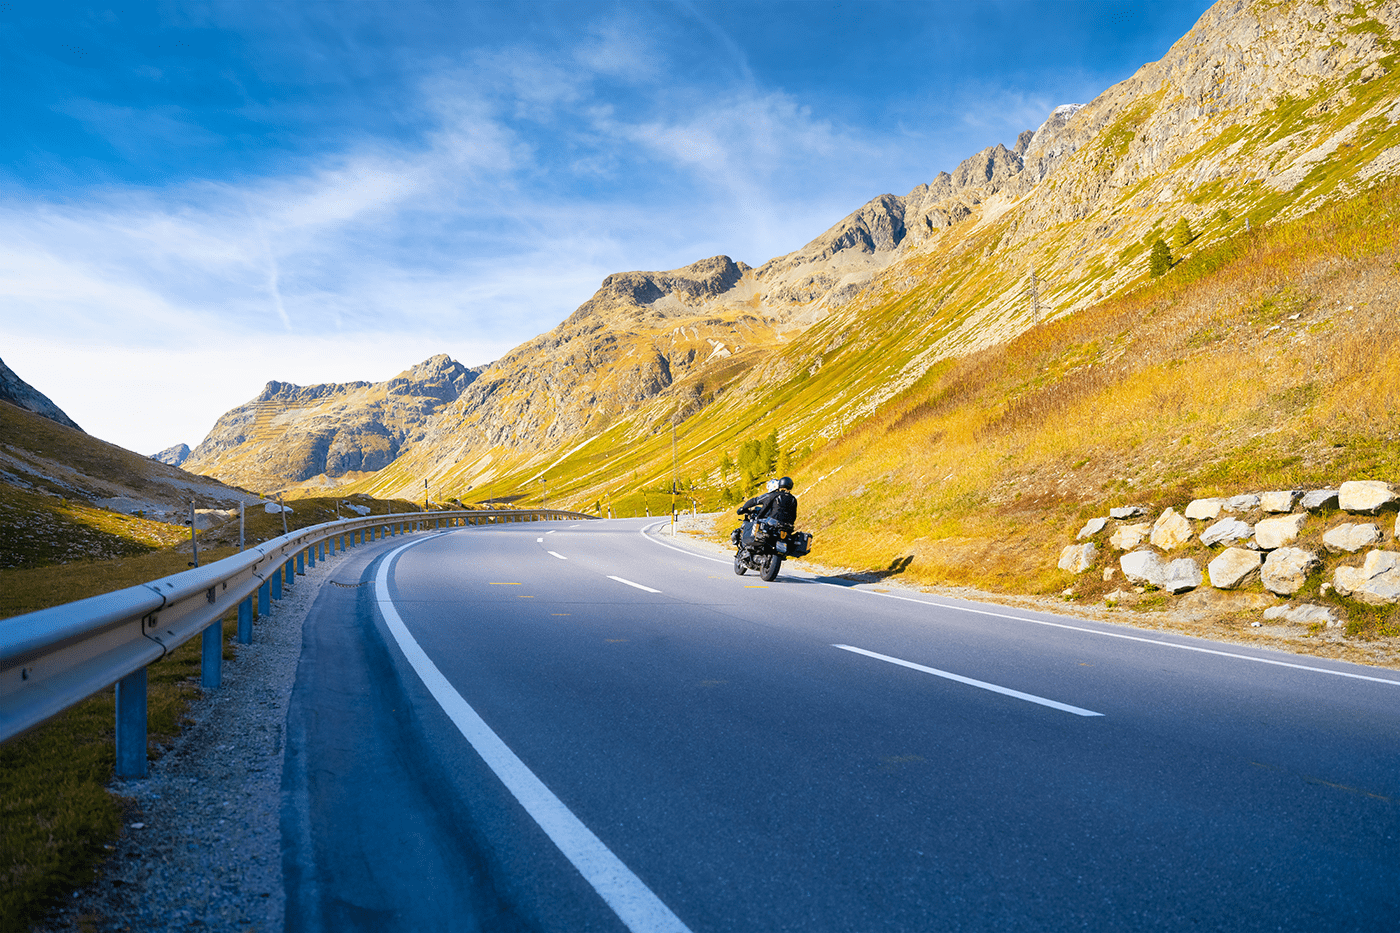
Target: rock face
x=173, y=455
x=1205, y=509
x=1272, y=533
x=1319, y=499
x=1303, y=614
x=1277, y=502
x=1225, y=531
x=1350, y=538
x=1144, y=567
x=1376, y=582
x=1366, y=496
x=1092, y=527
x=1232, y=567
x=1171, y=531
x=1181, y=576
x=1077, y=558
x=292, y=433
x=1286, y=570
x=17, y=392
x=1127, y=537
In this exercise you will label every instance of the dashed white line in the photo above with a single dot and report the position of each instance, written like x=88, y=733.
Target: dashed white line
x=982, y=684
x=539, y=540
x=630, y=583
x=635, y=904
x=558, y=555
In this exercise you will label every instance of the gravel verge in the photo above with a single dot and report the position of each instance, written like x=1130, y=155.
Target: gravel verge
x=201, y=846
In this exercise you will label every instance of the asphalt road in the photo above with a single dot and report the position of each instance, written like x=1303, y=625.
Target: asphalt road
x=573, y=727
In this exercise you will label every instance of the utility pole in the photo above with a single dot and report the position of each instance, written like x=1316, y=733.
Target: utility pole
x=673, y=476
x=283, y=513
x=425, y=495
x=241, y=506
x=194, y=542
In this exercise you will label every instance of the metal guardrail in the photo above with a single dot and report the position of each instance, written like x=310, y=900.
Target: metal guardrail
x=57, y=657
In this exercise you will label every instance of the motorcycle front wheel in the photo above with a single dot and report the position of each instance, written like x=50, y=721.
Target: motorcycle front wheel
x=740, y=567
x=770, y=567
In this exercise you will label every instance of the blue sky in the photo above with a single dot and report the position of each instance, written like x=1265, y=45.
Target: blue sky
x=198, y=198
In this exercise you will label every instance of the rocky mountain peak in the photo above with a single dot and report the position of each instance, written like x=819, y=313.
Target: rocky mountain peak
x=17, y=392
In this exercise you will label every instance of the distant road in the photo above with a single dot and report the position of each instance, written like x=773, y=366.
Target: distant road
x=575, y=726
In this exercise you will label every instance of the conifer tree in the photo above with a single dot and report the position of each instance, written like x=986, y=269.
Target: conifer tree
x=1181, y=233
x=1160, y=262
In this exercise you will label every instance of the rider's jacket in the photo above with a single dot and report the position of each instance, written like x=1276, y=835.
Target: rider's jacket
x=779, y=504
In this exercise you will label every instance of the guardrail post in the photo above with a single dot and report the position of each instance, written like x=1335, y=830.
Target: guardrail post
x=301, y=563
x=245, y=620
x=211, y=655
x=277, y=584
x=264, y=599
x=290, y=570
x=131, y=725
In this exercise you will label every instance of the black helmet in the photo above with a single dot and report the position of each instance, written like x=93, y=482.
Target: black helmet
x=785, y=482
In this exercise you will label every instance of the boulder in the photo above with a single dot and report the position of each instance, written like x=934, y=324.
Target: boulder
x=1092, y=527
x=272, y=508
x=1171, y=531
x=1130, y=536
x=1143, y=567
x=1365, y=495
x=1126, y=511
x=1242, y=503
x=1350, y=538
x=1376, y=582
x=1181, y=576
x=1303, y=614
x=1320, y=499
x=1270, y=533
x=1205, y=509
x=1277, y=502
x=1232, y=567
x=1227, y=530
x=1077, y=558
x=1286, y=570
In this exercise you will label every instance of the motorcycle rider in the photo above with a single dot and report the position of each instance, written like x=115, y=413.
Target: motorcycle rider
x=778, y=503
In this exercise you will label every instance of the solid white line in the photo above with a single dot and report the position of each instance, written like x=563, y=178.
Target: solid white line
x=1005, y=691
x=1147, y=641
x=630, y=583
x=640, y=910
x=681, y=549
x=558, y=555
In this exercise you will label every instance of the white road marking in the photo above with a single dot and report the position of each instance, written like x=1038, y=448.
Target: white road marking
x=1137, y=638
x=681, y=549
x=551, y=532
x=994, y=688
x=630, y=583
x=539, y=540
x=640, y=910
x=558, y=555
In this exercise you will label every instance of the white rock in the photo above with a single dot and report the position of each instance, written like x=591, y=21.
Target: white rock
x=1077, y=558
x=1232, y=567
x=1227, y=530
x=1108, y=573
x=360, y=510
x=1205, y=509
x=1286, y=570
x=1181, y=575
x=1126, y=511
x=1270, y=533
x=1376, y=582
x=1171, y=531
x=1277, y=502
x=1242, y=503
x=1303, y=614
x=272, y=508
x=1143, y=567
x=1128, y=537
x=1350, y=538
x=1319, y=499
x=1365, y=495
x=1092, y=527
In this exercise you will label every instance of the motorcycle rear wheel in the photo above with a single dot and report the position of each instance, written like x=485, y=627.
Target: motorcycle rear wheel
x=740, y=567
x=770, y=567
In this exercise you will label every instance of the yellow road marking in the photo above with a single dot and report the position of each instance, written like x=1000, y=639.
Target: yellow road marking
x=505, y=584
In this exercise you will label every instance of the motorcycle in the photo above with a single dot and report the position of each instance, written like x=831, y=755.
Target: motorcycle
x=764, y=544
